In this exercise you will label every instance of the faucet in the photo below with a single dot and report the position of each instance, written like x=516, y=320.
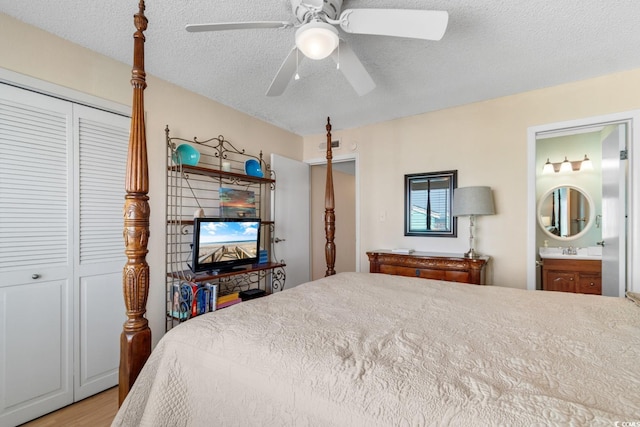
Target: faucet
x=570, y=251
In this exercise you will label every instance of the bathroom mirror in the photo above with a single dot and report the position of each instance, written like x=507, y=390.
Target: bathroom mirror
x=565, y=212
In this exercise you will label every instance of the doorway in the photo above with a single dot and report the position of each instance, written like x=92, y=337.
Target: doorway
x=606, y=143
x=347, y=240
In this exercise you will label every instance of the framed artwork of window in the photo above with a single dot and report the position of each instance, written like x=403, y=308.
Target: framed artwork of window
x=427, y=204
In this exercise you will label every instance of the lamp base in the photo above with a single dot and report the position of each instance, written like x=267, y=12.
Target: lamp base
x=471, y=253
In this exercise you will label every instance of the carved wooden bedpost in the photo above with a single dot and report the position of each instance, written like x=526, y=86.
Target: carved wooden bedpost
x=135, y=340
x=329, y=215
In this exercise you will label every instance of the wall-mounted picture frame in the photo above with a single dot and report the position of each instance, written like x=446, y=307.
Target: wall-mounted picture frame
x=428, y=199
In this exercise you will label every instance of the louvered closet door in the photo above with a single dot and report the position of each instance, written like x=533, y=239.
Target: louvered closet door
x=35, y=264
x=102, y=141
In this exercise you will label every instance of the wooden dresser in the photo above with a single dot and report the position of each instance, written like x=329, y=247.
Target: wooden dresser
x=428, y=265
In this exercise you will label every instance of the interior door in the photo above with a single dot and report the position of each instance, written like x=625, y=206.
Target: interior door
x=101, y=141
x=614, y=211
x=61, y=253
x=290, y=203
x=36, y=271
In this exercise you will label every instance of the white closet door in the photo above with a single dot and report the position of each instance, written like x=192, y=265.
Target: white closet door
x=102, y=140
x=35, y=267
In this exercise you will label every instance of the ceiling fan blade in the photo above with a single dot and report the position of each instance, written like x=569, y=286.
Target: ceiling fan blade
x=353, y=69
x=223, y=26
x=285, y=73
x=415, y=24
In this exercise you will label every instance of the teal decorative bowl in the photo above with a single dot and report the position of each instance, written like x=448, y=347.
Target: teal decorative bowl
x=252, y=168
x=186, y=155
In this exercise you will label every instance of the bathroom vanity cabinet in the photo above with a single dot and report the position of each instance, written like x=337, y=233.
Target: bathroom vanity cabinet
x=567, y=275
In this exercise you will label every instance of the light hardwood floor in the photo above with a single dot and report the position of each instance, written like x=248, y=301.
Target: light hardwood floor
x=94, y=411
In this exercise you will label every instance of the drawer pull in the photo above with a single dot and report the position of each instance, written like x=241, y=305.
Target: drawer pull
x=592, y=284
x=417, y=273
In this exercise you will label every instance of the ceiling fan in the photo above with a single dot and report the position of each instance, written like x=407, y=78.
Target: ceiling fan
x=317, y=38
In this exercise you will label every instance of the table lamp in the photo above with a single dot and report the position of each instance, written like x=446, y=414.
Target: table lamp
x=472, y=201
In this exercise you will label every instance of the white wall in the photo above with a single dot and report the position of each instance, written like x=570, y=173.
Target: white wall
x=33, y=52
x=487, y=143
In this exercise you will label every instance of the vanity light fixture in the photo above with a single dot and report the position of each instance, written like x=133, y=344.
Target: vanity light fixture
x=567, y=165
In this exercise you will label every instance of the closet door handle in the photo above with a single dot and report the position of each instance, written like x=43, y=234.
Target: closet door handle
x=35, y=276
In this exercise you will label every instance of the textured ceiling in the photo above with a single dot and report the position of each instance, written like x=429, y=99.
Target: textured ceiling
x=491, y=48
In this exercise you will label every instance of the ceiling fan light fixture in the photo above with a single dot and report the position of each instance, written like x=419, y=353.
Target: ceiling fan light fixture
x=316, y=40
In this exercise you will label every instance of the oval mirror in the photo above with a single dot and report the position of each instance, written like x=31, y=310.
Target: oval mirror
x=565, y=212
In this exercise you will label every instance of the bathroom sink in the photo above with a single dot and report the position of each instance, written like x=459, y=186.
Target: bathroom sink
x=590, y=252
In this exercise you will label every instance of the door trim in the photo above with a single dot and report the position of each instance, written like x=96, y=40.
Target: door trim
x=351, y=157
x=633, y=186
x=54, y=90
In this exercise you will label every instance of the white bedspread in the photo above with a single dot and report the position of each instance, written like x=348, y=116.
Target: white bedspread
x=361, y=349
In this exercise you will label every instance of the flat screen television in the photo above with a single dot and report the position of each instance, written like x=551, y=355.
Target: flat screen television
x=225, y=244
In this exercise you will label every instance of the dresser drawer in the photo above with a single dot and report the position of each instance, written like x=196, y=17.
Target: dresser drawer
x=589, y=284
x=423, y=273
x=560, y=281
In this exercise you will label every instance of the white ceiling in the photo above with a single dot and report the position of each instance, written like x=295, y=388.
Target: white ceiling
x=491, y=48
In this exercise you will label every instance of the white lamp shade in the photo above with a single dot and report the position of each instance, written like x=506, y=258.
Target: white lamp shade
x=565, y=166
x=473, y=201
x=587, y=164
x=548, y=168
x=316, y=40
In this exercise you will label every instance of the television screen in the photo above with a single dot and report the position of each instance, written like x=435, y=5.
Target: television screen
x=221, y=244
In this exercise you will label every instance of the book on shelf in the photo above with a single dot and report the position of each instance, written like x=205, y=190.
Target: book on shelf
x=182, y=300
x=229, y=303
x=228, y=297
x=190, y=299
x=212, y=301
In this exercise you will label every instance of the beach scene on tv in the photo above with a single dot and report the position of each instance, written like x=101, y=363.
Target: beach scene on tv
x=227, y=241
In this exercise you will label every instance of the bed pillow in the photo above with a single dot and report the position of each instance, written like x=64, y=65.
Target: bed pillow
x=634, y=296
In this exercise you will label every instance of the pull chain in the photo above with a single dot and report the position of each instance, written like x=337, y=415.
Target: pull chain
x=297, y=76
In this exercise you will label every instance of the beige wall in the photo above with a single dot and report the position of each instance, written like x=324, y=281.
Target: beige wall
x=345, y=210
x=487, y=143
x=30, y=51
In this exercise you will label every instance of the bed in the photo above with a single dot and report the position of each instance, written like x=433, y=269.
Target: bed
x=361, y=349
